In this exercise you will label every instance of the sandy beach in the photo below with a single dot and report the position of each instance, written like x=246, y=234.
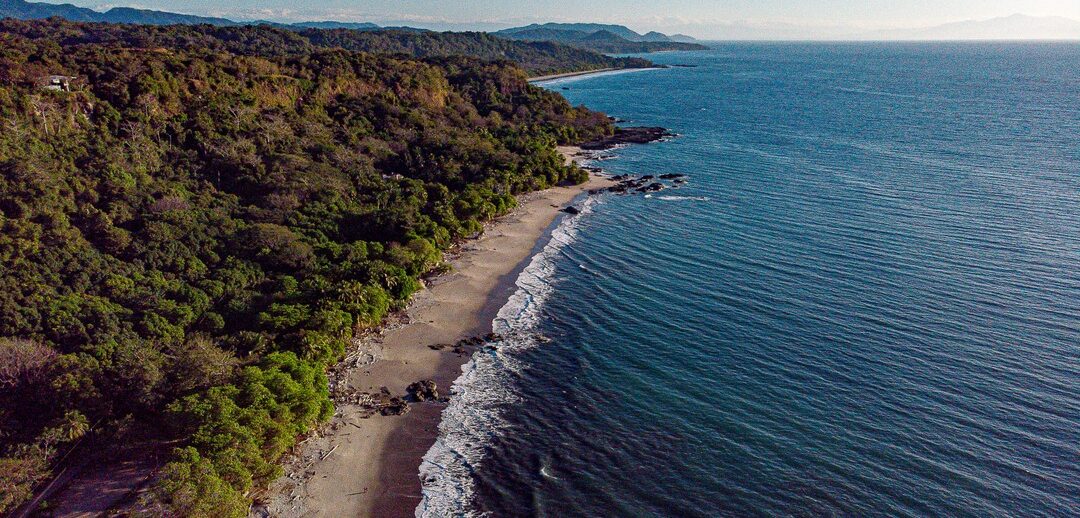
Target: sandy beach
x=570, y=74
x=589, y=73
x=368, y=466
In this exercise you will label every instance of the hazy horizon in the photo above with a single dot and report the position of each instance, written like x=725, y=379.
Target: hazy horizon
x=738, y=19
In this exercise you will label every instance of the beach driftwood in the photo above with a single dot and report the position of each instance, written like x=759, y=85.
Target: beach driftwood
x=332, y=450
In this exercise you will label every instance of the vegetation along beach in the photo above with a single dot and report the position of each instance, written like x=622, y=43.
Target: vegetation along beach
x=201, y=222
x=264, y=258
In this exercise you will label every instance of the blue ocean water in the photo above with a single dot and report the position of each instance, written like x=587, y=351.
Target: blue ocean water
x=866, y=302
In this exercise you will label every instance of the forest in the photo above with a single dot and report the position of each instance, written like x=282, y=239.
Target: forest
x=536, y=57
x=195, y=221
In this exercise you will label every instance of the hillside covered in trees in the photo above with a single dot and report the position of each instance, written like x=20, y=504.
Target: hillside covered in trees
x=613, y=39
x=536, y=57
x=195, y=221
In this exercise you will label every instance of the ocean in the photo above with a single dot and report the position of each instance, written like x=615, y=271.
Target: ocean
x=865, y=302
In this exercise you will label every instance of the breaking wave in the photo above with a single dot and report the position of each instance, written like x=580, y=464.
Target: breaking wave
x=683, y=198
x=472, y=416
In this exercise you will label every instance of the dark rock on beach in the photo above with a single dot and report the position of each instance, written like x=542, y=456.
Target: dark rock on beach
x=396, y=406
x=634, y=135
x=571, y=210
x=466, y=345
x=424, y=390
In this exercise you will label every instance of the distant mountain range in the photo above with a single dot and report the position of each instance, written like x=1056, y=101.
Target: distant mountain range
x=597, y=37
x=606, y=38
x=356, y=26
x=573, y=30
x=35, y=10
x=23, y=10
x=1015, y=27
x=600, y=37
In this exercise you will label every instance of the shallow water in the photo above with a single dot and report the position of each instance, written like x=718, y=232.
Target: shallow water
x=865, y=302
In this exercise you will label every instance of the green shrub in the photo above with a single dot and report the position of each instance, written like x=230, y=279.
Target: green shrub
x=190, y=486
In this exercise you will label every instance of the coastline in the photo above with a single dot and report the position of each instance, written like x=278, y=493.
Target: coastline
x=571, y=74
x=369, y=466
x=598, y=71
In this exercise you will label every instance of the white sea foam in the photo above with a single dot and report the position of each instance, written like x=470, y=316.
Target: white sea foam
x=683, y=198
x=473, y=416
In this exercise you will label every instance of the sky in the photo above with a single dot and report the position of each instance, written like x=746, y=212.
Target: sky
x=699, y=18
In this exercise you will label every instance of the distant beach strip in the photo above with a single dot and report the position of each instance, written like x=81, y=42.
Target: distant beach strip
x=589, y=73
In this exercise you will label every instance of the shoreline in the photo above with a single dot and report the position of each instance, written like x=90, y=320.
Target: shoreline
x=552, y=77
x=369, y=466
x=570, y=74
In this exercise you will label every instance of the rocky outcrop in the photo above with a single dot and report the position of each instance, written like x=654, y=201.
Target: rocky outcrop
x=652, y=187
x=571, y=210
x=467, y=344
x=633, y=135
x=372, y=402
x=645, y=184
